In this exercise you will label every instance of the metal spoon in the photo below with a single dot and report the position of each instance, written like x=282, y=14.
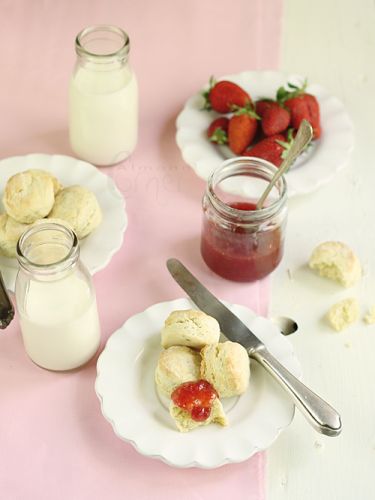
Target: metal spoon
x=303, y=137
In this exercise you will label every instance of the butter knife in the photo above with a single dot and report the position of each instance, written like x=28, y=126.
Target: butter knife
x=319, y=414
x=6, y=306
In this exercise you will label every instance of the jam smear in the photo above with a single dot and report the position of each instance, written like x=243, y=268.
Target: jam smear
x=196, y=398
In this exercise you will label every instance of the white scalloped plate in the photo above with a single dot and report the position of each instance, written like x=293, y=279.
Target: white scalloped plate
x=99, y=247
x=130, y=402
x=314, y=168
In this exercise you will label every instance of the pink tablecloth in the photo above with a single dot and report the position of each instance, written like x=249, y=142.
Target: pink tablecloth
x=54, y=442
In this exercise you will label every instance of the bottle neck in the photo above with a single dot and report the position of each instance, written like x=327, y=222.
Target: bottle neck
x=102, y=48
x=48, y=251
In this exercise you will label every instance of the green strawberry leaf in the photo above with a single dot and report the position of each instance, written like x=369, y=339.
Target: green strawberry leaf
x=206, y=94
x=289, y=91
x=246, y=110
x=219, y=136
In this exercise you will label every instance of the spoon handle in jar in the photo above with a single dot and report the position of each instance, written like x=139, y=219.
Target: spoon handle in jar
x=303, y=137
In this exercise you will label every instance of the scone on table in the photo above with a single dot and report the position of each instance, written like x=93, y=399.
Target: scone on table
x=190, y=328
x=176, y=365
x=79, y=208
x=226, y=366
x=343, y=314
x=336, y=261
x=29, y=195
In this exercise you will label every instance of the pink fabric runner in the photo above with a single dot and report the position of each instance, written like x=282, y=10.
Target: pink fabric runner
x=54, y=442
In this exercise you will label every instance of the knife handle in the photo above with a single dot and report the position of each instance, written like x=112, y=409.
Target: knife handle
x=320, y=414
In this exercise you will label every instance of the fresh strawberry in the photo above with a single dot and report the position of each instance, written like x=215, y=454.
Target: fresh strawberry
x=242, y=129
x=314, y=110
x=224, y=95
x=262, y=105
x=270, y=149
x=218, y=130
x=275, y=119
x=301, y=106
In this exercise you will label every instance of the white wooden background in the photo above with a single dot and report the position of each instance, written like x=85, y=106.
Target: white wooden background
x=332, y=42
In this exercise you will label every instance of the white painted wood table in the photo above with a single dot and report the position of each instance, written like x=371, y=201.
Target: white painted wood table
x=332, y=43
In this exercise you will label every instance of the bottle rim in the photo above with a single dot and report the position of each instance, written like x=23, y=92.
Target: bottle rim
x=55, y=266
x=251, y=167
x=121, y=53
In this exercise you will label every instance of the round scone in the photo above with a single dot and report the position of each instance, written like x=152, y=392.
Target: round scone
x=79, y=208
x=10, y=232
x=336, y=261
x=191, y=328
x=56, y=184
x=176, y=365
x=227, y=367
x=29, y=196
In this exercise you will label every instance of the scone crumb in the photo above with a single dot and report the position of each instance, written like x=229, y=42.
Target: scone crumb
x=343, y=314
x=370, y=316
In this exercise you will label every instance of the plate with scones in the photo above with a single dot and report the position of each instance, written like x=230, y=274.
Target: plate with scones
x=174, y=387
x=62, y=189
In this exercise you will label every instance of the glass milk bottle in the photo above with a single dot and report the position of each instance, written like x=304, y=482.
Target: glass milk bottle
x=55, y=299
x=103, y=97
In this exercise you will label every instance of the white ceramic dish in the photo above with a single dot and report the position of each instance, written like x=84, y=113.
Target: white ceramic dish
x=130, y=402
x=314, y=168
x=98, y=248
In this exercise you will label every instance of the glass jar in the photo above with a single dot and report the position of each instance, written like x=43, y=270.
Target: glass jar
x=55, y=298
x=103, y=97
x=239, y=242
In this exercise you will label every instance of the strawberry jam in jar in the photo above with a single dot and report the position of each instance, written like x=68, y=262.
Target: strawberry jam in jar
x=240, y=242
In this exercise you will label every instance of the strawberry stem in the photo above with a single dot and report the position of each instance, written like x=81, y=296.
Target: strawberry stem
x=289, y=91
x=206, y=94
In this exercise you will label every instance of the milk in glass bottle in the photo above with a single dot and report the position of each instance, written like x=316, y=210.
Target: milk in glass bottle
x=103, y=97
x=55, y=298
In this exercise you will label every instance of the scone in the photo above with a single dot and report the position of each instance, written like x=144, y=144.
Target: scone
x=185, y=423
x=79, y=208
x=343, y=314
x=10, y=232
x=176, y=365
x=29, y=196
x=190, y=328
x=56, y=184
x=226, y=366
x=336, y=261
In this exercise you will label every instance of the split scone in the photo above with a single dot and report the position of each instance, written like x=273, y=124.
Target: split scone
x=336, y=261
x=185, y=423
x=190, y=328
x=343, y=314
x=176, y=365
x=79, y=208
x=30, y=195
x=226, y=366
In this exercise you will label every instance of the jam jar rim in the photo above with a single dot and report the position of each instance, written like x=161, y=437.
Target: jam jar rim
x=68, y=261
x=122, y=52
x=248, y=216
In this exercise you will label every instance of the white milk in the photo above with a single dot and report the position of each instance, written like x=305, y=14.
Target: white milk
x=103, y=114
x=60, y=324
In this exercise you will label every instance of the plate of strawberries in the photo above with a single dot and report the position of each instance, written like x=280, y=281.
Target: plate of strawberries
x=257, y=114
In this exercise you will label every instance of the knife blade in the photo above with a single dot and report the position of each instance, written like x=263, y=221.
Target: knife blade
x=320, y=414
